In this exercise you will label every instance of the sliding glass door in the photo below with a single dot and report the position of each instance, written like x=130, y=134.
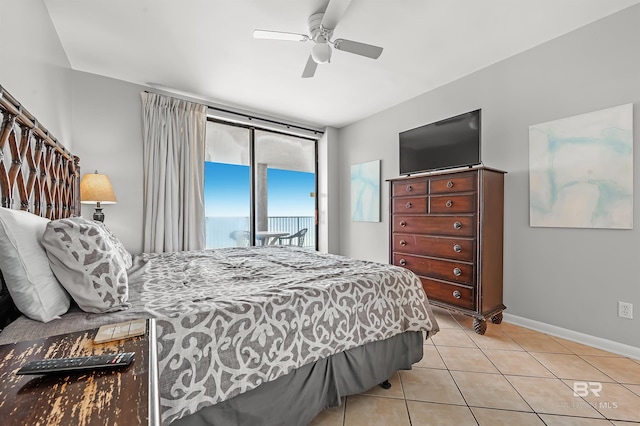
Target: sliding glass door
x=227, y=186
x=285, y=189
x=260, y=187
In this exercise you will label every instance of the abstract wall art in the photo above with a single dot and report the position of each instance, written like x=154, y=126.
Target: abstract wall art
x=581, y=170
x=365, y=192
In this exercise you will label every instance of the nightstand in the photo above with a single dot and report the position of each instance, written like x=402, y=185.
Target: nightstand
x=115, y=397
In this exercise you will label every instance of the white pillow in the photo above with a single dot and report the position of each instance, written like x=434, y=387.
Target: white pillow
x=86, y=259
x=25, y=266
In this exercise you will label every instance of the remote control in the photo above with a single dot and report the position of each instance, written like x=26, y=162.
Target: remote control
x=64, y=365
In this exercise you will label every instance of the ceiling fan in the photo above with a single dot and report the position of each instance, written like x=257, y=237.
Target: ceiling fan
x=321, y=26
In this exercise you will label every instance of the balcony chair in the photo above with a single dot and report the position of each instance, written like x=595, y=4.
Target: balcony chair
x=241, y=238
x=299, y=235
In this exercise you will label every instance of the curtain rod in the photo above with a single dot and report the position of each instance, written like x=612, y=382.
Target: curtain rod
x=244, y=115
x=268, y=120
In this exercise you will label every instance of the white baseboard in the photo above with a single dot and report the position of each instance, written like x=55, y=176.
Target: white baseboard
x=574, y=336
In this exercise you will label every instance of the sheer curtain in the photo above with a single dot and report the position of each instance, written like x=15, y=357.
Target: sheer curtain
x=174, y=141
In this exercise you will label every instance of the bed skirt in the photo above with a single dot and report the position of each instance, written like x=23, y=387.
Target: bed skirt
x=296, y=398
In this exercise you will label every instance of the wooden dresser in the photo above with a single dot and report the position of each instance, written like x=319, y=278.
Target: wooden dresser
x=447, y=227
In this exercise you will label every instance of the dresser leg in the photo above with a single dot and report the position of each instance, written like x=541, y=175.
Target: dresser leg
x=480, y=326
x=497, y=318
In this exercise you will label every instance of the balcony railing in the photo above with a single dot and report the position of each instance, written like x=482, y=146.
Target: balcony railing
x=219, y=229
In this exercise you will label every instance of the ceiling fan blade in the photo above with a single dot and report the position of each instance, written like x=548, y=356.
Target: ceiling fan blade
x=279, y=35
x=310, y=68
x=362, y=49
x=335, y=10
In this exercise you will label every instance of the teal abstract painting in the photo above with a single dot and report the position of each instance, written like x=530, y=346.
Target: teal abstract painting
x=581, y=170
x=365, y=192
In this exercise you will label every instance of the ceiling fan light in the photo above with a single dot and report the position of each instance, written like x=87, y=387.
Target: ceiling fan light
x=321, y=53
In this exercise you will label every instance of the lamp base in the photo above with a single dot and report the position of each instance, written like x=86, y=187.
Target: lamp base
x=98, y=215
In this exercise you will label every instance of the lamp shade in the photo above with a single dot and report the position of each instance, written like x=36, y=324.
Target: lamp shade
x=96, y=188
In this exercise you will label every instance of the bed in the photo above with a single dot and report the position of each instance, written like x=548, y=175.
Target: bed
x=251, y=335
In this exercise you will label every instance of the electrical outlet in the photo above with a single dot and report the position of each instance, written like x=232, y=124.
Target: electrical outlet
x=625, y=310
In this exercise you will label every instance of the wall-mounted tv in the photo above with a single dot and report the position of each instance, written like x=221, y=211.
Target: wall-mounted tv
x=448, y=143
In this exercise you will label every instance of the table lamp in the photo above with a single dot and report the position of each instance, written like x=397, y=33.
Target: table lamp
x=96, y=188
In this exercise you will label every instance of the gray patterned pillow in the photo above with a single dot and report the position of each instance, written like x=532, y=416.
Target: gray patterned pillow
x=88, y=263
x=124, y=254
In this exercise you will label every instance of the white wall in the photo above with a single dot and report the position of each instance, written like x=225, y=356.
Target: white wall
x=570, y=278
x=107, y=130
x=96, y=118
x=34, y=67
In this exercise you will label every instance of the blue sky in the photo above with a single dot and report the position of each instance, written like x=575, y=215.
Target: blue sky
x=226, y=191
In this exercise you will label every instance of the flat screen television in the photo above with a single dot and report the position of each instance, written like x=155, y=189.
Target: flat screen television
x=448, y=143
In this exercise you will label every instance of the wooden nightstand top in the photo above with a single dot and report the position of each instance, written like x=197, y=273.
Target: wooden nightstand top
x=115, y=397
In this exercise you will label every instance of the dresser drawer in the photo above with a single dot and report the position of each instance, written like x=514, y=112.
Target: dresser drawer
x=449, y=293
x=458, y=272
x=410, y=205
x=404, y=188
x=445, y=247
x=465, y=183
x=463, y=226
x=452, y=203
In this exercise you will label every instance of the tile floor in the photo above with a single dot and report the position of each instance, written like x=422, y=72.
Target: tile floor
x=508, y=376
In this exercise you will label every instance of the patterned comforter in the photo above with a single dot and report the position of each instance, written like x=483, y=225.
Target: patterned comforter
x=231, y=319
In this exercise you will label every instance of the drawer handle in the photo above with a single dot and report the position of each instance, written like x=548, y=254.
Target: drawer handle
x=403, y=223
x=450, y=184
x=408, y=205
x=403, y=243
x=409, y=188
x=457, y=294
x=457, y=272
x=449, y=203
x=456, y=248
x=457, y=225
x=403, y=262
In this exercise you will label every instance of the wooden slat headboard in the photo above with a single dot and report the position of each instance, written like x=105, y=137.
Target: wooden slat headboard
x=37, y=174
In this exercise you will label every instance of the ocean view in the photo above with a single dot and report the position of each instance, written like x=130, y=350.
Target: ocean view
x=286, y=206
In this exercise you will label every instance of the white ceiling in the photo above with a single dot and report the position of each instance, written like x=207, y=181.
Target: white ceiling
x=205, y=47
